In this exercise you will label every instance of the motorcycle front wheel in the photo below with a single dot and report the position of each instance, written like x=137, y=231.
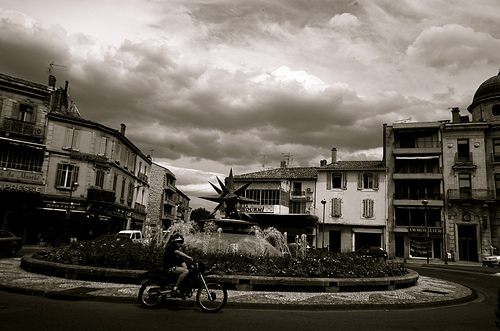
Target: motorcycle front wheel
x=213, y=300
x=150, y=295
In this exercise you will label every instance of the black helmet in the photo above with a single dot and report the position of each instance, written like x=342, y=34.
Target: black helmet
x=177, y=238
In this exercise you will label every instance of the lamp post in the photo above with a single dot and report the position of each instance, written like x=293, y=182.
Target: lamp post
x=425, y=202
x=323, y=202
x=73, y=188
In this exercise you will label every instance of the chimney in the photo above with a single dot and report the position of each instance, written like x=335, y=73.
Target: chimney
x=122, y=129
x=455, y=115
x=283, y=164
x=322, y=163
x=52, y=82
x=334, y=155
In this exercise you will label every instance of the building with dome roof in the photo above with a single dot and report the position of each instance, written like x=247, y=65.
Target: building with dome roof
x=443, y=179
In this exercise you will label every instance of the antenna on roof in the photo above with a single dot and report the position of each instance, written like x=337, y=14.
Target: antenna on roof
x=288, y=156
x=52, y=65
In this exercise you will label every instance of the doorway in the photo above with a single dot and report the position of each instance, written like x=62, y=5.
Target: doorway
x=335, y=241
x=467, y=243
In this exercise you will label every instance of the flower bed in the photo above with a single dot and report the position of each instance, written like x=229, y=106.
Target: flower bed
x=129, y=255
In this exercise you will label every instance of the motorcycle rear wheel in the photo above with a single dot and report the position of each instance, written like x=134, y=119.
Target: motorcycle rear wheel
x=214, y=300
x=150, y=295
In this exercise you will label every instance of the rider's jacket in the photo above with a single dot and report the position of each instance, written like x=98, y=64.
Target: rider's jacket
x=170, y=259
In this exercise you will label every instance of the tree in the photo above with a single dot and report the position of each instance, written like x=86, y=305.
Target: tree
x=200, y=214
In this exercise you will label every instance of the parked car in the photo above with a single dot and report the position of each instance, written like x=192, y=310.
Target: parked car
x=10, y=243
x=113, y=239
x=132, y=234
x=374, y=251
x=492, y=261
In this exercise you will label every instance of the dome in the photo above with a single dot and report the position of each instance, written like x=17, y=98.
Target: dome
x=488, y=90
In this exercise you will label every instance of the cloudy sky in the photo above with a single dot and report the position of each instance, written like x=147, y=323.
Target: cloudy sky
x=206, y=85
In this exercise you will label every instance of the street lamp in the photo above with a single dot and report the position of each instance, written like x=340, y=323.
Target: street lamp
x=425, y=202
x=73, y=188
x=323, y=202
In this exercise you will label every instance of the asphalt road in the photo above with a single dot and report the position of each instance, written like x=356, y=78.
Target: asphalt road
x=22, y=312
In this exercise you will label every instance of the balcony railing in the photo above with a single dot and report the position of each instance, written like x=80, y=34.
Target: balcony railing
x=419, y=143
x=138, y=208
x=98, y=194
x=10, y=125
x=418, y=196
x=463, y=158
x=142, y=177
x=471, y=194
x=298, y=193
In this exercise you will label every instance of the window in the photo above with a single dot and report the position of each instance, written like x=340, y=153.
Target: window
x=368, y=181
x=463, y=148
x=368, y=206
x=67, y=174
x=297, y=207
x=130, y=193
x=265, y=197
x=495, y=110
x=99, y=178
x=464, y=181
x=104, y=146
x=21, y=157
x=337, y=207
x=72, y=138
x=23, y=112
x=115, y=181
x=122, y=193
x=497, y=182
x=336, y=180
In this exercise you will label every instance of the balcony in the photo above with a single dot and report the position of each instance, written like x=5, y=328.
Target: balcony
x=10, y=125
x=142, y=177
x=435, y=200
x=418, y=146
x=471, y=194
x=138, y=208
x=297, y=195
x=100, y=195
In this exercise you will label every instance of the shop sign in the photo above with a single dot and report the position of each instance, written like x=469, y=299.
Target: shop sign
x=18, y=187
x=88, y=157
x=61, y=205
x=422, y=232
x=258, y=208
x=25, y=176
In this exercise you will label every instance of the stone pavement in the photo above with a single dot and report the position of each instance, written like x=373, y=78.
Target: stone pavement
x=427, y=292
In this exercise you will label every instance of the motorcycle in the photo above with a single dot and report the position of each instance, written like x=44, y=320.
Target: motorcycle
x=157, y=286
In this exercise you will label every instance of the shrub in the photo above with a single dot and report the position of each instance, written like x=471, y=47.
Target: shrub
x=136, y=256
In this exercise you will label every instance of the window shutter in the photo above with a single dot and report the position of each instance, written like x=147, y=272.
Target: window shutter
x=74, y=178
x=336, y=207
x=76, y=139
x=368, y=208
x=59, y=175
x=328, y=180
x=15, y=110
x=69, y=138
x=375, y=181
x=344, y=181
x=360, y=181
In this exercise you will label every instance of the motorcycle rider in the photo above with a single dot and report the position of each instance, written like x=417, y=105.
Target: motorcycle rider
x=173, y=261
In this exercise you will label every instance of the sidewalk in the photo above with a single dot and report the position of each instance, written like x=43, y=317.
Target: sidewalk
x=428, y=292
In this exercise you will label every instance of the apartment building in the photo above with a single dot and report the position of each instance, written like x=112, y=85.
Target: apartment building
x=23, y=109
x=167, y=203
x=63, y=176
x=351, y=204
x=286, y=200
